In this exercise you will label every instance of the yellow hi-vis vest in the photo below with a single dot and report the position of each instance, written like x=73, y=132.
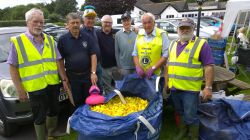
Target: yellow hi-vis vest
x=185, y=72
x=36, y=70
x=149, y=52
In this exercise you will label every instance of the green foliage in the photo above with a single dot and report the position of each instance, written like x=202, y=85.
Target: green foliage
x=12, y=23
x=111, y=7
x=63, y=7
x=54, y=17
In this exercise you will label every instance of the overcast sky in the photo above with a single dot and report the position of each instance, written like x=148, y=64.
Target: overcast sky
x=11, y=3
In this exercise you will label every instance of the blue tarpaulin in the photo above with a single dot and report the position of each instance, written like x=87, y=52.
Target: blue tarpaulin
x=225, y=119
x=96, y=126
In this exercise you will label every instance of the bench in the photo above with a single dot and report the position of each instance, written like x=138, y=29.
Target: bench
x=240, y=85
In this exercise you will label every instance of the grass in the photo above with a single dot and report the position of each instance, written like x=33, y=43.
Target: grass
x=169, y=130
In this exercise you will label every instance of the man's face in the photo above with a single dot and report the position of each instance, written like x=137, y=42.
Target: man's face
x=89, y=22
x=74, y=25
x=107, y=24
x=126, y=22
x=185, y=32
x=35, y=24
x=148, y=24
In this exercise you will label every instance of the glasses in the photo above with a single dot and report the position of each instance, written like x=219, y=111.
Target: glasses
x=107, y=22
x=185, y=28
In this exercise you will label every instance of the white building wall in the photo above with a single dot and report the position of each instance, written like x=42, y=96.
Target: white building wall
x=136, y=14
x=169, y=12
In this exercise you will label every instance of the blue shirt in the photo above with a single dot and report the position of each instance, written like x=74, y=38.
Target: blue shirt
x=76, y=52
x=92, y=34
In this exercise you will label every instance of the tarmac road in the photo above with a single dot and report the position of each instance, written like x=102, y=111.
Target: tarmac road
x=27, y=132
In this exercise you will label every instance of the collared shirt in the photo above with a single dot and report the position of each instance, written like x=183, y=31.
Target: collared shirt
x=13, y=59
x=124, y=46
x=92, y=33
x=150, y=37
x=205, y=56
x=76, y=52
x=123, y=29
x=107, y=48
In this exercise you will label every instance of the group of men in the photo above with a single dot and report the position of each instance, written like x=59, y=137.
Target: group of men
x=88, y=56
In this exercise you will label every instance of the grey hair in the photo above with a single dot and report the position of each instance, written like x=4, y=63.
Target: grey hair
x=72, y=15
x=148, y=14
x=106, y=16
x=29, y=14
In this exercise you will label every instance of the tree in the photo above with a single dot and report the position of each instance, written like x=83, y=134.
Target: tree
x=111, y=7
x=63, y=7
x=51, y=6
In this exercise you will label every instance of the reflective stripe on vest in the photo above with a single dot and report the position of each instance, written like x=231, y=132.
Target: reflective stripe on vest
x=186, y=71
x=149, y=53
x=36, y=70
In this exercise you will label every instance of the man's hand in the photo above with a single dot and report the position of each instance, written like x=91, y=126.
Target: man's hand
x=150, y=72
x=22, y=95
x=140, y=71
x=66, y=85
x=206, y=94
x=93, y=78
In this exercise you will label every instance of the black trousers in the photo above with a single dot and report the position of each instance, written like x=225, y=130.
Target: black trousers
x=44, y=103
x=80, y=85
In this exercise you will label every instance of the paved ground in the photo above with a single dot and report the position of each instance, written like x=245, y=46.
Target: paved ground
x=27, y=132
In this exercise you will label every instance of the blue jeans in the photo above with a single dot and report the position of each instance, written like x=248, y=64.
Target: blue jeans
x=186, y=104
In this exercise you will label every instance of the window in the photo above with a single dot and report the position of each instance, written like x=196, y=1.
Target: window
x=183, y=15
x=169, y=16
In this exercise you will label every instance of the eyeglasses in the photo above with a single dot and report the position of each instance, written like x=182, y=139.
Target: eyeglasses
x=107, y=22
x=185, y=28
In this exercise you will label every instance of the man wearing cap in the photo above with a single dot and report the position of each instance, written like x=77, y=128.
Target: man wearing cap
x=124, y=45
x=79, y=60
x=89, y=18
x=189, y=57
x=150, y=49
x=106, y=40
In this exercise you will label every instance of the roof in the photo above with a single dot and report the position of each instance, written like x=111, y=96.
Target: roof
x=180, y=6
x=139, y=3
x=216, y=4
x=158, y=8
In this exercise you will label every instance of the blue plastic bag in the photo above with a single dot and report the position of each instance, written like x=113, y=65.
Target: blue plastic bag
x=96, y=126
x=225, y=120
x=218, y=49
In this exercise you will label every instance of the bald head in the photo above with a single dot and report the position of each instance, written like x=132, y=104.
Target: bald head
x=107, y=18
x=107, y=23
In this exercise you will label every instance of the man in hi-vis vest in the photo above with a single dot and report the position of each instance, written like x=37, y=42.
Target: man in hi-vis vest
x=33, y=61
x=151, y=48
x=189, y=57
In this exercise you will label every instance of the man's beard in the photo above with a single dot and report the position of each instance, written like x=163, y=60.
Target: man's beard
x=186, y=37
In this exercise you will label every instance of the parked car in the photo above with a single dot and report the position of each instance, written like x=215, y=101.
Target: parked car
x=56, y=33
x=171, y=27
x=12, y=111
x=212, y=21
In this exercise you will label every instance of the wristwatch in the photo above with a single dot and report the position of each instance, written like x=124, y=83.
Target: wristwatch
x=209, y=87
x=93, y=72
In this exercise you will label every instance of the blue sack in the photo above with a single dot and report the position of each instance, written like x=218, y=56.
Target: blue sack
x=218, y=49
x=96, y=126
x=225, y=119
